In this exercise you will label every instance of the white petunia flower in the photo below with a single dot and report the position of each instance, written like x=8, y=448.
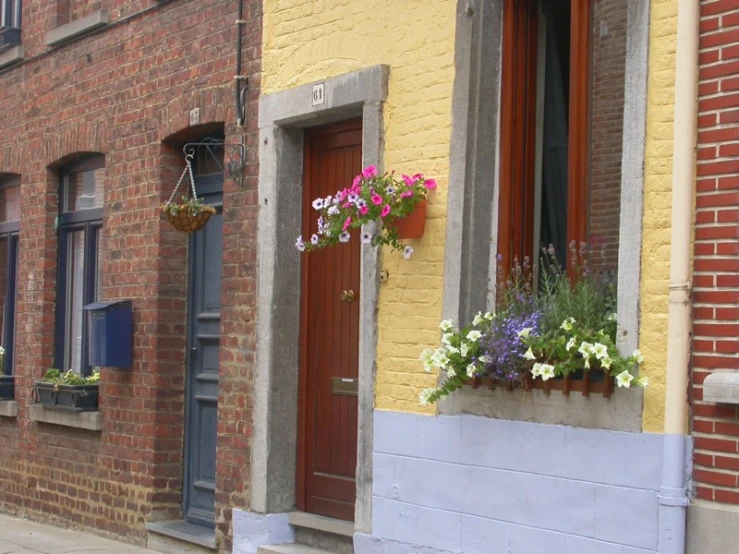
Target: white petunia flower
x=314, y=240
x=408, y=252
x=446, y=325
x=536, y=370
x=440, y=359
x=333, y=210
x=567, y=324
x=599, y=350
x=445, y=338
x=474, y=336
x=352, y=198
x=464, y=350
x=605, y=362
x=612, y=317
x=366, y=238
x=624, y=379
x=450, y=372
x=425, y=395
x=529, y=354
x=571, y=344
x=547, y=372
x=642, y=382
x=318, y=204
x=585, y=349
x=299, y=244
x=478, y=319
x=327, y=201
x=638, y=356
x=425, y=357
x=452, y=349
x=524, y=333
x=489, y=316
x=344, y=237
x=471, y=370
x=484, y=360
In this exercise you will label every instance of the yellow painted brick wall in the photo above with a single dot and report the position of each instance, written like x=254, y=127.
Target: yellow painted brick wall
x=306, y=41
x=658, y=209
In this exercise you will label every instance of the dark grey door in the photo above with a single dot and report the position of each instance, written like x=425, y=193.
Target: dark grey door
x=204, y=321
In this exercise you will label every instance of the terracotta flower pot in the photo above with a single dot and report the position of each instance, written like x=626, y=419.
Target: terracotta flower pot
x=413, y=225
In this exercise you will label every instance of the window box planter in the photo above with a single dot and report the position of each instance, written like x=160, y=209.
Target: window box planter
x=413, y=225
x=7, y=387
x=79, y=398
x=585, y=382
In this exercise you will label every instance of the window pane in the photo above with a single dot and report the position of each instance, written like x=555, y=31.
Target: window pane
x=4, y=291
x=608, y=68
x=73, y=309
x=10, y=203
x=84, y=190
x=98, y=264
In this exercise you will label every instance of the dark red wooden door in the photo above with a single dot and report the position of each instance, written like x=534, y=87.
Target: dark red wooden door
x=327, y=457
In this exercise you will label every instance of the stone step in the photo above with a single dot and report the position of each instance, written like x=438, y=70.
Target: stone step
x=291, y=549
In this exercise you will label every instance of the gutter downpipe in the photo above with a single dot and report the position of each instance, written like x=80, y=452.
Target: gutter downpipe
x=673, y=495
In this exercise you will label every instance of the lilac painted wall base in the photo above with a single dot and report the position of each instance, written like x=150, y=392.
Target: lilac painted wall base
x=473, y=485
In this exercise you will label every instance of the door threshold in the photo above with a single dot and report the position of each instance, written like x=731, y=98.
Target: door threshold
x=185, y=531
x=321, y=523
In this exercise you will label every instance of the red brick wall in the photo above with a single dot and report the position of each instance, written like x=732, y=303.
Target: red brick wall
x=716, y=278
x=127, y=92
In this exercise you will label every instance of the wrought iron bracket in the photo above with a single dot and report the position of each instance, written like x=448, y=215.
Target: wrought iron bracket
x=234, y=155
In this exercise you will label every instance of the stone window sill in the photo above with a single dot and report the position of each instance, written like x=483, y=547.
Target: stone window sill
x=8, y=408
x=78, y=27
x=11, y=56
x=91, y=421
x=722, y=387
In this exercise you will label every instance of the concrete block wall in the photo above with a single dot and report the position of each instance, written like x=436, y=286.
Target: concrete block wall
x=473, y=485
x=716, y=278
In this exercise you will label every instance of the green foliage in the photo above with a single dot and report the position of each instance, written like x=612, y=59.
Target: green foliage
x=56, y=377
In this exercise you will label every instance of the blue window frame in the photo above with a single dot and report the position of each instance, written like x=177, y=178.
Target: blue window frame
x=10, y=23
x=80, y=273
x=9, y=227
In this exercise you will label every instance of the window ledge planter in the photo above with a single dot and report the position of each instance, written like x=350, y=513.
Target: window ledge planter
x=7, y=387
x=584, y=382
x=76, y=398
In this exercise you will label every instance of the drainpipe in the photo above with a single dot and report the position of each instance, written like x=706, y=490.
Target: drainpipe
x=673, y=497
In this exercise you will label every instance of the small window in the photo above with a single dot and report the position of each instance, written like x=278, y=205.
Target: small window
x=10, y=23
x=561, y=126
x=80, y=268
x=9, y=227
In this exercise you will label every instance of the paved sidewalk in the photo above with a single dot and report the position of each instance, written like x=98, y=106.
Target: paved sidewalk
x=20, y=536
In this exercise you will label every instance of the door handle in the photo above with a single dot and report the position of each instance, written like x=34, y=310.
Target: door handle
x=347, y=296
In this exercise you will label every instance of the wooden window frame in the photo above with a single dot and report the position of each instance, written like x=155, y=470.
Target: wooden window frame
x=518, y=127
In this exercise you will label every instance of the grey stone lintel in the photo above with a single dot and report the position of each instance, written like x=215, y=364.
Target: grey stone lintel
x=91, y=421
x=76, y=28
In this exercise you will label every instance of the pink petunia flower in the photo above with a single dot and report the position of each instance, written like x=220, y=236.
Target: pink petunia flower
x=357, y=182
x=346, y=204
x=408, y=180
x=385, y=210
x=347, y=223
x=406, y=194
x=418, y=176
x=376, y=199
x=430, y=183
x=363, y=210
x=369, y=172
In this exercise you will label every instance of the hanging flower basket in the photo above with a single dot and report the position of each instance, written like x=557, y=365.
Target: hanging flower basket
x=187, y=217
x=191, y=214
x=413, y=225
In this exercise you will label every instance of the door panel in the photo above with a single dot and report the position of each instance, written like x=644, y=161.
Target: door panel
x=204, y=314
x=329, y=334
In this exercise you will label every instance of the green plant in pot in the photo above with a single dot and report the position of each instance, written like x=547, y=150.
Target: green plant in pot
x=68, y=390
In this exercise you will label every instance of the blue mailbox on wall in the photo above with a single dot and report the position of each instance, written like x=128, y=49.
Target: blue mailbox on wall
x=110, y=333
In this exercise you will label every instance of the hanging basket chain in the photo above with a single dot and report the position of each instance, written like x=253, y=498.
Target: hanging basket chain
x=187, y=170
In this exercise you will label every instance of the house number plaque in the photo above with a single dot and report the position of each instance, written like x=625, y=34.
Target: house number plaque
x=318, y=97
